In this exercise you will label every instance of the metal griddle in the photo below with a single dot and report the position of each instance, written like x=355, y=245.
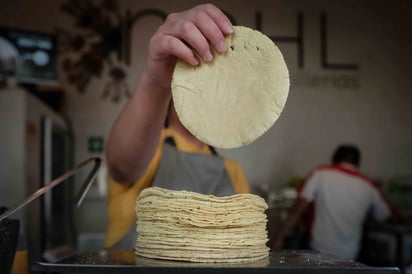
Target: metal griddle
x=286, y=261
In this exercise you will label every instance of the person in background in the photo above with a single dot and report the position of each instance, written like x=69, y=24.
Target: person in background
x=336, y=199
x=141, y=152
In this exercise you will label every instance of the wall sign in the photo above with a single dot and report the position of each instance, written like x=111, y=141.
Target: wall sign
x=95, y=144
x=298, y=39
x=103, y=31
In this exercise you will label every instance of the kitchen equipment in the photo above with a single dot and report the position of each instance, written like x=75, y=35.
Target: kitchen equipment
x=387, y=244
x=36, y=146
x=9, y=230
x=285, y=261
x=9, y=234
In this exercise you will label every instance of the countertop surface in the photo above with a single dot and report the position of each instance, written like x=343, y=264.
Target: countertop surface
x=285, y=261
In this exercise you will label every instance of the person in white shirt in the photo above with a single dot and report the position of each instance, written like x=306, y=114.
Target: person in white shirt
x=338, y=198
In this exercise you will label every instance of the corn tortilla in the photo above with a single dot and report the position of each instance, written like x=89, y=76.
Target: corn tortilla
x=188, y=226
x=234, y=99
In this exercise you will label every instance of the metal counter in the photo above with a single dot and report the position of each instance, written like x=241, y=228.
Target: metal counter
x=285, y=261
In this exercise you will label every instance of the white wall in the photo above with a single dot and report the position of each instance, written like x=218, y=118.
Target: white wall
x=369, y=107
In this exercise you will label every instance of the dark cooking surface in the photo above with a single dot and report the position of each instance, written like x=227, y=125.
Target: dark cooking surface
x=120, y=261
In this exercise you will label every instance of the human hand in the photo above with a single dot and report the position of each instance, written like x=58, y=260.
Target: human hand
x=189, y=36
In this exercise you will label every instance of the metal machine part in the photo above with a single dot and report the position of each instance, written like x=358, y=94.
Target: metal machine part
x=9, y=229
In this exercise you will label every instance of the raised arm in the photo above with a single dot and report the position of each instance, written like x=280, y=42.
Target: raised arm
x=186, y=35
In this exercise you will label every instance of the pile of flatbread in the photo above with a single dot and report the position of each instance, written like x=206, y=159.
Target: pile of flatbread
x=187, y=226
x=235, y=98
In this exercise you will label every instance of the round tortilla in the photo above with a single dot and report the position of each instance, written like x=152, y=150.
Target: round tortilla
x=234, y=99
x=189, y=226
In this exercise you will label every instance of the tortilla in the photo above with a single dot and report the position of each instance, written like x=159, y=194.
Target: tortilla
x=188, y=226
x=234, y=99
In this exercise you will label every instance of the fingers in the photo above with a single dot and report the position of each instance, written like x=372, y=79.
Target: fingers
x=222, y=21
x=168, y=45
x=199, y=29
x=192, y=35
x=211, y=31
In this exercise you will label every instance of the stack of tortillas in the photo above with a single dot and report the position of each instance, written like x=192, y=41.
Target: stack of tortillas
x=238, y=96
x=187, y=226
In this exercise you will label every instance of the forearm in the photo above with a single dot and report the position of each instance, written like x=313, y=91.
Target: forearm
x=289, y=224
x=291, y=221
x=134, y=137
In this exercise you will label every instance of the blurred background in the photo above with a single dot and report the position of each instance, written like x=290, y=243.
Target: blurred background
x=67, y=68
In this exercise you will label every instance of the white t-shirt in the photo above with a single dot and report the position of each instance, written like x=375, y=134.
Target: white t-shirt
x=342, y=198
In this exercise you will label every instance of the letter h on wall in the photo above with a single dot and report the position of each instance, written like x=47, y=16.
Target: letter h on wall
x=298, y=39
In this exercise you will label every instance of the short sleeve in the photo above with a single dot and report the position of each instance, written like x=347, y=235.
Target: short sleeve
x=380, y=208
x=309, y=187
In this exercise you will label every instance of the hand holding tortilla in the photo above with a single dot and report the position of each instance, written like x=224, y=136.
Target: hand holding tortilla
x=235, y=98
x=142, y=152
x=184, y=35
